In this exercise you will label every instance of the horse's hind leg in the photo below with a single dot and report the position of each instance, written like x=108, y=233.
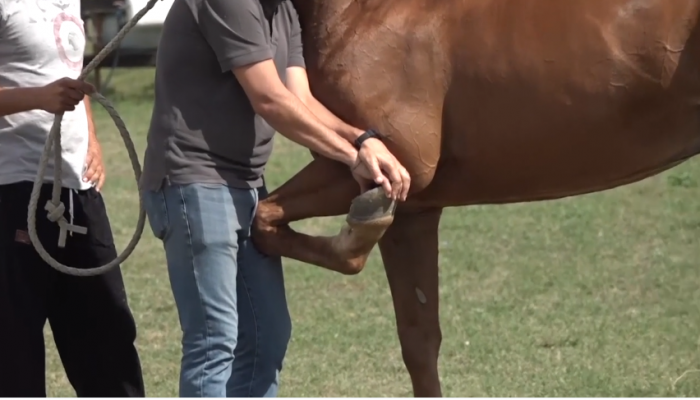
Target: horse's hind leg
x=410, y=253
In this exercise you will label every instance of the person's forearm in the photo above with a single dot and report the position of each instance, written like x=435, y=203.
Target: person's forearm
x=17, y=100
x=347, y=132
x=90, y=121
x=290, y=117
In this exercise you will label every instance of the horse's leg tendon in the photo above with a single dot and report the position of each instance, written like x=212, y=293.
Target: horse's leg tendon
x=410, y=252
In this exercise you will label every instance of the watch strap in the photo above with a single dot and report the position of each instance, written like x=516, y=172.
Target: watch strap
x=368, y=134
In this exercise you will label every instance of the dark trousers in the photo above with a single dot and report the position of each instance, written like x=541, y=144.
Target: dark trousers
x=93, y=327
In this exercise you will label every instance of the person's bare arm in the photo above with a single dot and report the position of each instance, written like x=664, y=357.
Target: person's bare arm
x=298, y=84
x=59, y=96
x=94, y=165
x=285, y=112
x=90, y=121
x=17, y=100
x=288, y=115
x=235, y=31
x=384, y=168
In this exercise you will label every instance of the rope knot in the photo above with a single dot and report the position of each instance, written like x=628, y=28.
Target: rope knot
x=56, y=215
x=55, y=211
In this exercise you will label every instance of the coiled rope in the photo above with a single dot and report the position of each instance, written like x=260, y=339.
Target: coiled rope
x=54, y=207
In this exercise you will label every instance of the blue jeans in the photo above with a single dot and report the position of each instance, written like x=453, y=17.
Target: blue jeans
x=230, y=297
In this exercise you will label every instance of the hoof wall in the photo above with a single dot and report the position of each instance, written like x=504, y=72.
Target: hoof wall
x=371, y=206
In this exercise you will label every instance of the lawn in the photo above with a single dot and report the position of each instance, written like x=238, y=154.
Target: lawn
x=592, y=296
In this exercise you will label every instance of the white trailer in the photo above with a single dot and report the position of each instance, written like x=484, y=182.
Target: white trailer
x=103, y=20
x=145, y=35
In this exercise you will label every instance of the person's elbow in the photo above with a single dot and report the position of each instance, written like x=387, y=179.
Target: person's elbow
x=266, y=103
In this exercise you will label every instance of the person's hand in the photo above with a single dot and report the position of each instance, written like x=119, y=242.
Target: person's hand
x=94, y=167
x=375, y=164
x=63, y=95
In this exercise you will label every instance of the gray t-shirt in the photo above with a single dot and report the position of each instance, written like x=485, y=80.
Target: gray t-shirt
x=203, y=128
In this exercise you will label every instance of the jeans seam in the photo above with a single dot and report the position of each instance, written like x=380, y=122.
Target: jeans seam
x=257, y=330
x=250, y=299
x=200, y=379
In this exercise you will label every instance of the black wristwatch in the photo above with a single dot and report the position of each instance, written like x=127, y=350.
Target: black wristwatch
x=369, y=134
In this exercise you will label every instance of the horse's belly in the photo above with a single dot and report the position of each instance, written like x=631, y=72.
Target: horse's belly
x=513, y=153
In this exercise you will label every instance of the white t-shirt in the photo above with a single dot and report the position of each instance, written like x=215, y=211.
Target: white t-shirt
x=41, y=41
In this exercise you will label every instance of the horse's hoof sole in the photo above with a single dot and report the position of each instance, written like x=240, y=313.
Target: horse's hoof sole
x=371, y=206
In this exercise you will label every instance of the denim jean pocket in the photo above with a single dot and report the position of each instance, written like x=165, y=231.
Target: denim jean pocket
x=157, y=211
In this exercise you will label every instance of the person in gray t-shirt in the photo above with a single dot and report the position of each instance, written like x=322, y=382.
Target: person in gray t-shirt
x=230, y=73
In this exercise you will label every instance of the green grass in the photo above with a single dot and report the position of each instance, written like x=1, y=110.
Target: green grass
x=592, y=296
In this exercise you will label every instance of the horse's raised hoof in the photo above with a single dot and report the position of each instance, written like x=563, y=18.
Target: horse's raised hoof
x=371, y=207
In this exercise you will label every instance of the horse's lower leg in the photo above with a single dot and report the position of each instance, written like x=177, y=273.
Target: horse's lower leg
x=323, y=188
x=410, y=253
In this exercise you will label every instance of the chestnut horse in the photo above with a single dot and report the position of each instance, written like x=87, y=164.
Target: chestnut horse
x=484, y=102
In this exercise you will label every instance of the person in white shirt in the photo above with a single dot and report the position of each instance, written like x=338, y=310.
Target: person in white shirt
x=41, y=54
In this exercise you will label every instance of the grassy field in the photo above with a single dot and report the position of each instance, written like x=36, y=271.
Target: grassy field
x=592, y=296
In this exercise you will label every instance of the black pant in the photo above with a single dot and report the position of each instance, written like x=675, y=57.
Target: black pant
x=92, y=325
